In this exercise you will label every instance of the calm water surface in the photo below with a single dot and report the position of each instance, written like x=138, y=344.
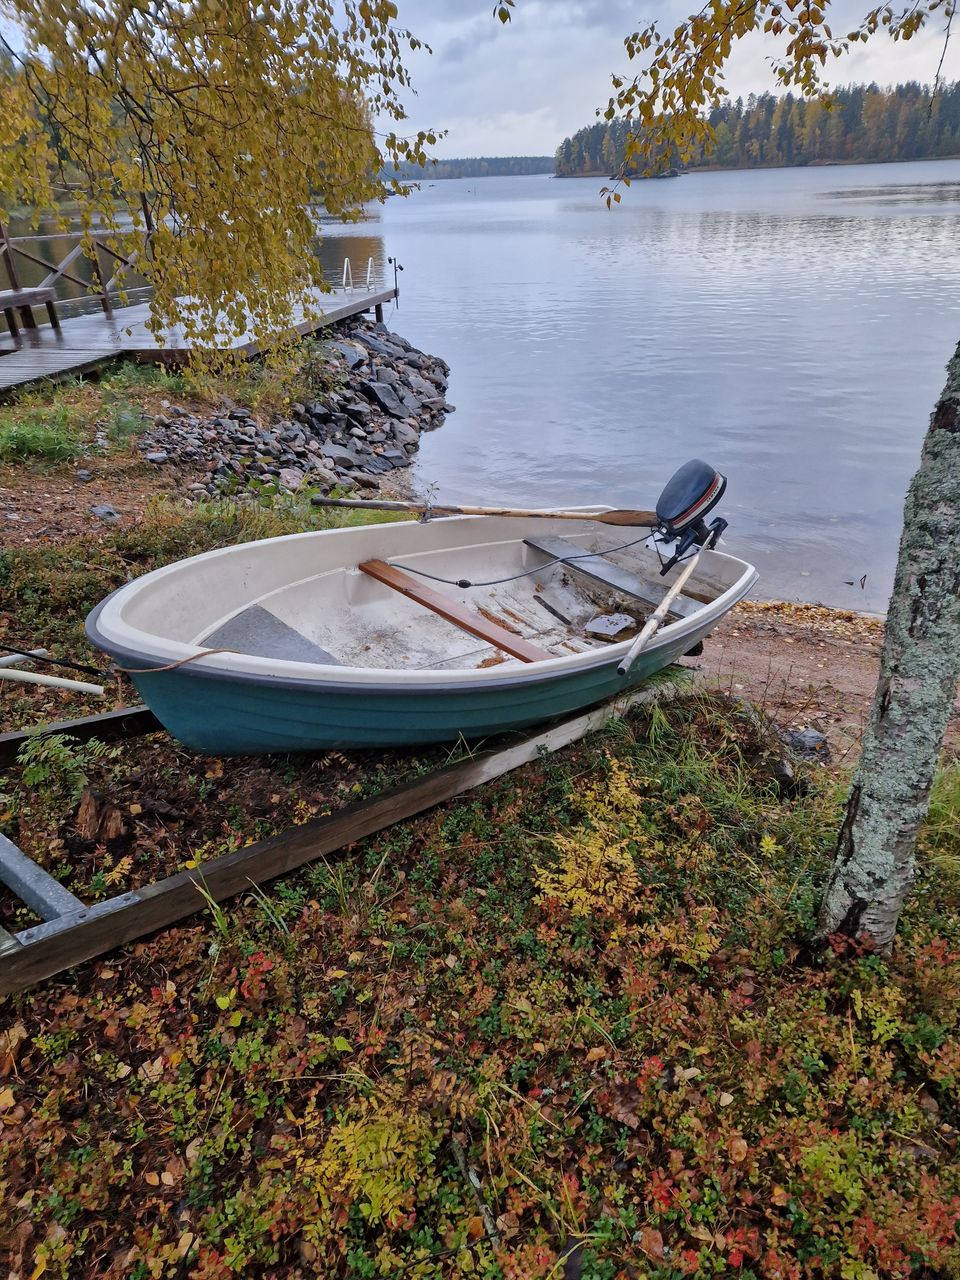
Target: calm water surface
x=791, y=326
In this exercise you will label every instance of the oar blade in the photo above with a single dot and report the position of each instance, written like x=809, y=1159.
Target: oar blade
x=626, y=517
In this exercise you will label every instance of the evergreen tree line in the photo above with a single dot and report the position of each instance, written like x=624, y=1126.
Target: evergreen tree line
x=864, y=122
x=476, y=167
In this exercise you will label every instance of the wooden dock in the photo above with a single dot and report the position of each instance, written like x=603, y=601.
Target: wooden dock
x=86, y=342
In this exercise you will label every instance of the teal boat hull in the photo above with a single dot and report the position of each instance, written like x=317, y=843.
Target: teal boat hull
x=220, y=716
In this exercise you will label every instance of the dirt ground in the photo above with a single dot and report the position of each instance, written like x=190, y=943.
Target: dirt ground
x=46, y=504
x=806, y=665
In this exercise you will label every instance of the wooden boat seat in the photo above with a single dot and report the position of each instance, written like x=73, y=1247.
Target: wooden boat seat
x=609, y=574
x=458, y=614
x=256, y=630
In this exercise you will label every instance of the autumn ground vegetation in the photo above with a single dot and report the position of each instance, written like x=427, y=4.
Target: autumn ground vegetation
x=570, y=1025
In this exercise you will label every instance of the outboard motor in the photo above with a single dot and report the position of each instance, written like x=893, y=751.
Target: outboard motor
x=689, y=495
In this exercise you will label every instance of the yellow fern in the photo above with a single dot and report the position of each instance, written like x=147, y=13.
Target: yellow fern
x=377, y=1155
x=596, y=873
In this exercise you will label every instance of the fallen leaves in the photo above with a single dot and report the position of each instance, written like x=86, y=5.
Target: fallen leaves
x=738, y=1149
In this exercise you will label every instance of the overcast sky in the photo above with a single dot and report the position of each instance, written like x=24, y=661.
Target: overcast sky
x=520, y=89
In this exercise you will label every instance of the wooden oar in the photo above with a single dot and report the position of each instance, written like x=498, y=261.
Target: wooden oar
x=644, y=519
x=658, y=615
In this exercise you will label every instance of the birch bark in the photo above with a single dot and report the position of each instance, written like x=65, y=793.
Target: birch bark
x=874, y=867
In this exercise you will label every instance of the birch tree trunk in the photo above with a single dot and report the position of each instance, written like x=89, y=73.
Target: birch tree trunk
x=920, y=665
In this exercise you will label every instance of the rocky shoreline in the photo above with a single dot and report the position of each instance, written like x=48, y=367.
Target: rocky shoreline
x=382, y=393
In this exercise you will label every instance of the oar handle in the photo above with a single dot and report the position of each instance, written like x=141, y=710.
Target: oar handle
x=652, y=624
x=631, y=519
x=50, y=682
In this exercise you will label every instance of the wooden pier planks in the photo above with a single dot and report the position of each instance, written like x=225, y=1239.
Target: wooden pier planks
x=84, y=342
x=50, y=948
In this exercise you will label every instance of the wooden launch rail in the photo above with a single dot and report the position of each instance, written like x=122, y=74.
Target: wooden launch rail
x=458, y=614
x=111, y=726
x=72, y=933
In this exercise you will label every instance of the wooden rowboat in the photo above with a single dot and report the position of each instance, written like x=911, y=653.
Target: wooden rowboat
x=337, y=639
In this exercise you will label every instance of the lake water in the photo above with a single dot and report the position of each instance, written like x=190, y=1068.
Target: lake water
x=790, y=326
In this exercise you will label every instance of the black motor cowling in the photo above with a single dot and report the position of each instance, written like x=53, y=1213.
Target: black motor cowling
x=688, y=496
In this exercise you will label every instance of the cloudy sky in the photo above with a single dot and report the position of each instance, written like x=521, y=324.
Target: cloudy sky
x=520, y=89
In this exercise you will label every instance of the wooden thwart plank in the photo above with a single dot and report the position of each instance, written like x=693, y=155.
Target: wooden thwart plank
x=456, y=613
x=47, y=949
x=110, y=726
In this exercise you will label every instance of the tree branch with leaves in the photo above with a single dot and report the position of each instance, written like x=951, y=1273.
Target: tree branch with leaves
x=213, y=127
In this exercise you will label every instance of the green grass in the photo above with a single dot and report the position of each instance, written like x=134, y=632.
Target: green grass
x=36, y=431
x=129, y=376
x=940, y=841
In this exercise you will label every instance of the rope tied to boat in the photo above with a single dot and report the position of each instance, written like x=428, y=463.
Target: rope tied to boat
x=171, y=666
x=464, y=583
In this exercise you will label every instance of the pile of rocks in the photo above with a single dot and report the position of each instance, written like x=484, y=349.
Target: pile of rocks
x=386, y=393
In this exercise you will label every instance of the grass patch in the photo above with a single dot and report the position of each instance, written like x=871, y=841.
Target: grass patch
x=36, y=430
x=128, y=376
x=56, y=423
x=940, y=841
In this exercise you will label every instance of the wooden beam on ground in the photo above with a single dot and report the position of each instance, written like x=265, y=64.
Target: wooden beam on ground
x=110, y=726
x=50, y=948
x=462, y=617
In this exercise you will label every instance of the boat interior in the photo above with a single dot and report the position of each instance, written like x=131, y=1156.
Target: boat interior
x=531, y=598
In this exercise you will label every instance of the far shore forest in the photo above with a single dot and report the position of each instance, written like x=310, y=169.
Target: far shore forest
x=863, y=123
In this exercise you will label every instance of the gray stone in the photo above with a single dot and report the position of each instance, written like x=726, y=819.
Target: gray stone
x=807, y=742
x=363, y=478
x=374, y=344
x=404, y=434
x=420, y=386
x=106, y=513
x=159, y=458
x=340, y=456
x=83, y=475
x=352, y=354
x=396, y=457
x=359, y=412
x=291, y=478
x=321, y=475
x=378, y=464
x=385, y=397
